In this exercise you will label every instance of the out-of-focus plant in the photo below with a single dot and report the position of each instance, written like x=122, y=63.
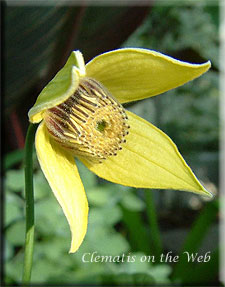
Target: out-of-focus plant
x=110, y=221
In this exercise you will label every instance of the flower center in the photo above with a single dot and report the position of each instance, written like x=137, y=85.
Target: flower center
x=90, y=123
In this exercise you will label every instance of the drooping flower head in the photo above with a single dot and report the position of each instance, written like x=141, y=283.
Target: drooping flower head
x=82, y=116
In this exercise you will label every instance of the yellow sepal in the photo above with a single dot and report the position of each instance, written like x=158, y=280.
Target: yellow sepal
x=61, y=172
x=60, y=88
x=134, y=74
x=149, y=159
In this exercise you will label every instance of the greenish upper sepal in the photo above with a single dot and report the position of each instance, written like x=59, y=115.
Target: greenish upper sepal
x=60, y=88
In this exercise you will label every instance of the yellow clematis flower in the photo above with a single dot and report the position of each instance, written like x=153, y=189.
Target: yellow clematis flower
x=82, y=116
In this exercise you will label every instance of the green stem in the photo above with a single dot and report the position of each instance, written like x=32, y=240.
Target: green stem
x=29, y=198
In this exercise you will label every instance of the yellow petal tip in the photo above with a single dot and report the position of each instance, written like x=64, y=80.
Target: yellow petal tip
x=207, y=193
x=207, y=65
x=78, y=235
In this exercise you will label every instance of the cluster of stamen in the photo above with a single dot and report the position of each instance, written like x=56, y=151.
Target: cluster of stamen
x=90, y=123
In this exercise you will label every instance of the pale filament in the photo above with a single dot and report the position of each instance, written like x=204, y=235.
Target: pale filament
x=91, y=123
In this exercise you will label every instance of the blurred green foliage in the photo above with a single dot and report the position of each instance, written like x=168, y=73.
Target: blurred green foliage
x=107, y=202
x=123, y=220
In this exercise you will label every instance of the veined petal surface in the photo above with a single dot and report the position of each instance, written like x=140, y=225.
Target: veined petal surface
x=149, y=159
x=61, y=172
x=60, y=88
x=134, y=74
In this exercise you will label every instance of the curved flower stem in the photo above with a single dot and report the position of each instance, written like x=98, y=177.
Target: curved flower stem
x=29, y=198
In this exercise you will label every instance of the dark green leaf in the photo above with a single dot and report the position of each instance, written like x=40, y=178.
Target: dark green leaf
x=13, y=158
x=15, y=179
x=195, y=237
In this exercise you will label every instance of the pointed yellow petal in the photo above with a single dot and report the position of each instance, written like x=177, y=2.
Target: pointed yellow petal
x=149, y=159
x=60, y=88
x=61, y=172
x=135, y=74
